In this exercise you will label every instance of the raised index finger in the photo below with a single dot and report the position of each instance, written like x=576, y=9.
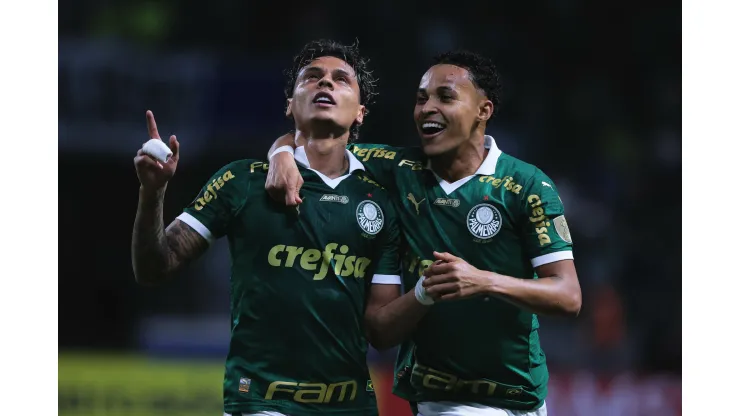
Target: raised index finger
x=152, y=125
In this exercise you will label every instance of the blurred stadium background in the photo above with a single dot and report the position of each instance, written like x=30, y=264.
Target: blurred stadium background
x=592, y=95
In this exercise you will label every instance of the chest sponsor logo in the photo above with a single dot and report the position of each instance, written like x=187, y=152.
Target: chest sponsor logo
x=447, y=202
x=342, y=199
x=412, y=198
x=484, y=222
x=334, y=257
x=370, y=217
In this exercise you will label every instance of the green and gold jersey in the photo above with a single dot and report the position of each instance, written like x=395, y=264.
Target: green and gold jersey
x=508, y=219
x=299, y=281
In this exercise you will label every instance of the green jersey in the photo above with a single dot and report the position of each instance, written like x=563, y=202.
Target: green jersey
x=299, y=281
x=508, y=219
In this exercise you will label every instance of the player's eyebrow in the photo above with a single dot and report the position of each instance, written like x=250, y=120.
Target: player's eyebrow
x=312, y=69
x=444, y=89
x=318, y=69
x=342, y=72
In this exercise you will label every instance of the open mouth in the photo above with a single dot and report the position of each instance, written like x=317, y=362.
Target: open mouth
x=324, y=99
x=432, y=128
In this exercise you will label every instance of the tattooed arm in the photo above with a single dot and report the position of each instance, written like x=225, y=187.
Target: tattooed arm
x=158, y=253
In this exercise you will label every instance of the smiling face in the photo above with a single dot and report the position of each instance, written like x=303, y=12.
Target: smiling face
x=449, y=107
x=326, y=93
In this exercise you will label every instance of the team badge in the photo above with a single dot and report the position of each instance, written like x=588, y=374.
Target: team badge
x=244, y=384
x=484, y=221
x=561, y=226
x=370, y=217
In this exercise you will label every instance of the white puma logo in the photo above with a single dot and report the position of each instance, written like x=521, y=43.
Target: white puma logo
x=546, y=184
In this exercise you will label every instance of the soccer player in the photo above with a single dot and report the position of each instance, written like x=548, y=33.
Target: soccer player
x=482, y=228
x=300, y=278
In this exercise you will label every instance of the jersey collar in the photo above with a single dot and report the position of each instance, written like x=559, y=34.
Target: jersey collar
x=302, y=159
x=488, y=167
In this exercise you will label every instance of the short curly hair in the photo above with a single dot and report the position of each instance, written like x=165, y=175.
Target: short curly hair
x=482, y=72
x=349, y=54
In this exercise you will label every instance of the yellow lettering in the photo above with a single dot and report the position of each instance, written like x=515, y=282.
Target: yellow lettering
x=532, y=198
x=212, y=192
x=516, y=189
x=535, y=220
x=544, y=239
x=273, y=388
x=496, y=183
x=199, y=203
x=438, y=380
x=424, y=265
x=339, y=260
x=362, y=152
x=370, y=153
x=320, y=392
x=228, y=176
x=349, y=266
x=272, y=258
x=538, y=211
x=390, y=155
x=328, y=254
x=252, y=167
x=360, y=266
x=475, y=386
x=447, y=381
x=380, y=153
x=221, y=182
x=340, y=263
x=207, y=196
x=413, y=264
x=309, y=257
x=293, y=252
x=342, y=392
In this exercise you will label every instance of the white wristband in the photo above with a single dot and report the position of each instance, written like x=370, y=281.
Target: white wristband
x=281, y=149
x=421, y=293
x=157, y=149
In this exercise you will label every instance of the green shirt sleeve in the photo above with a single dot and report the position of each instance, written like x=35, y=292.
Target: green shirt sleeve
x=379, y=160
x=545, y=232
x=218, y=202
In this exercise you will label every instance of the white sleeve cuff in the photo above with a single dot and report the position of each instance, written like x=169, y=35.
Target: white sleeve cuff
x=552, y=258
x=282, y=149
x=386, y=279
x=197, y=226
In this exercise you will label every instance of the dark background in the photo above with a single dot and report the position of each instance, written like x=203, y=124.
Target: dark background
x=591, y=95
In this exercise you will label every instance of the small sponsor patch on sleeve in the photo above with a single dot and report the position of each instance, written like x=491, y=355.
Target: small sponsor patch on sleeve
x=561, y=226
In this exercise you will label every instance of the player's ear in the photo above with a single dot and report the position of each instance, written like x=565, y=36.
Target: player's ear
x=360, y=114
x=289, y=109
x=485, y=110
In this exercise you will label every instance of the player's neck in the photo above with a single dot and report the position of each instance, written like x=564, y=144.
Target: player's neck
x=326, y=154
x=461, y=161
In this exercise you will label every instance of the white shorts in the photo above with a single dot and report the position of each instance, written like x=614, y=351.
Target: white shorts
x=472, y=409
